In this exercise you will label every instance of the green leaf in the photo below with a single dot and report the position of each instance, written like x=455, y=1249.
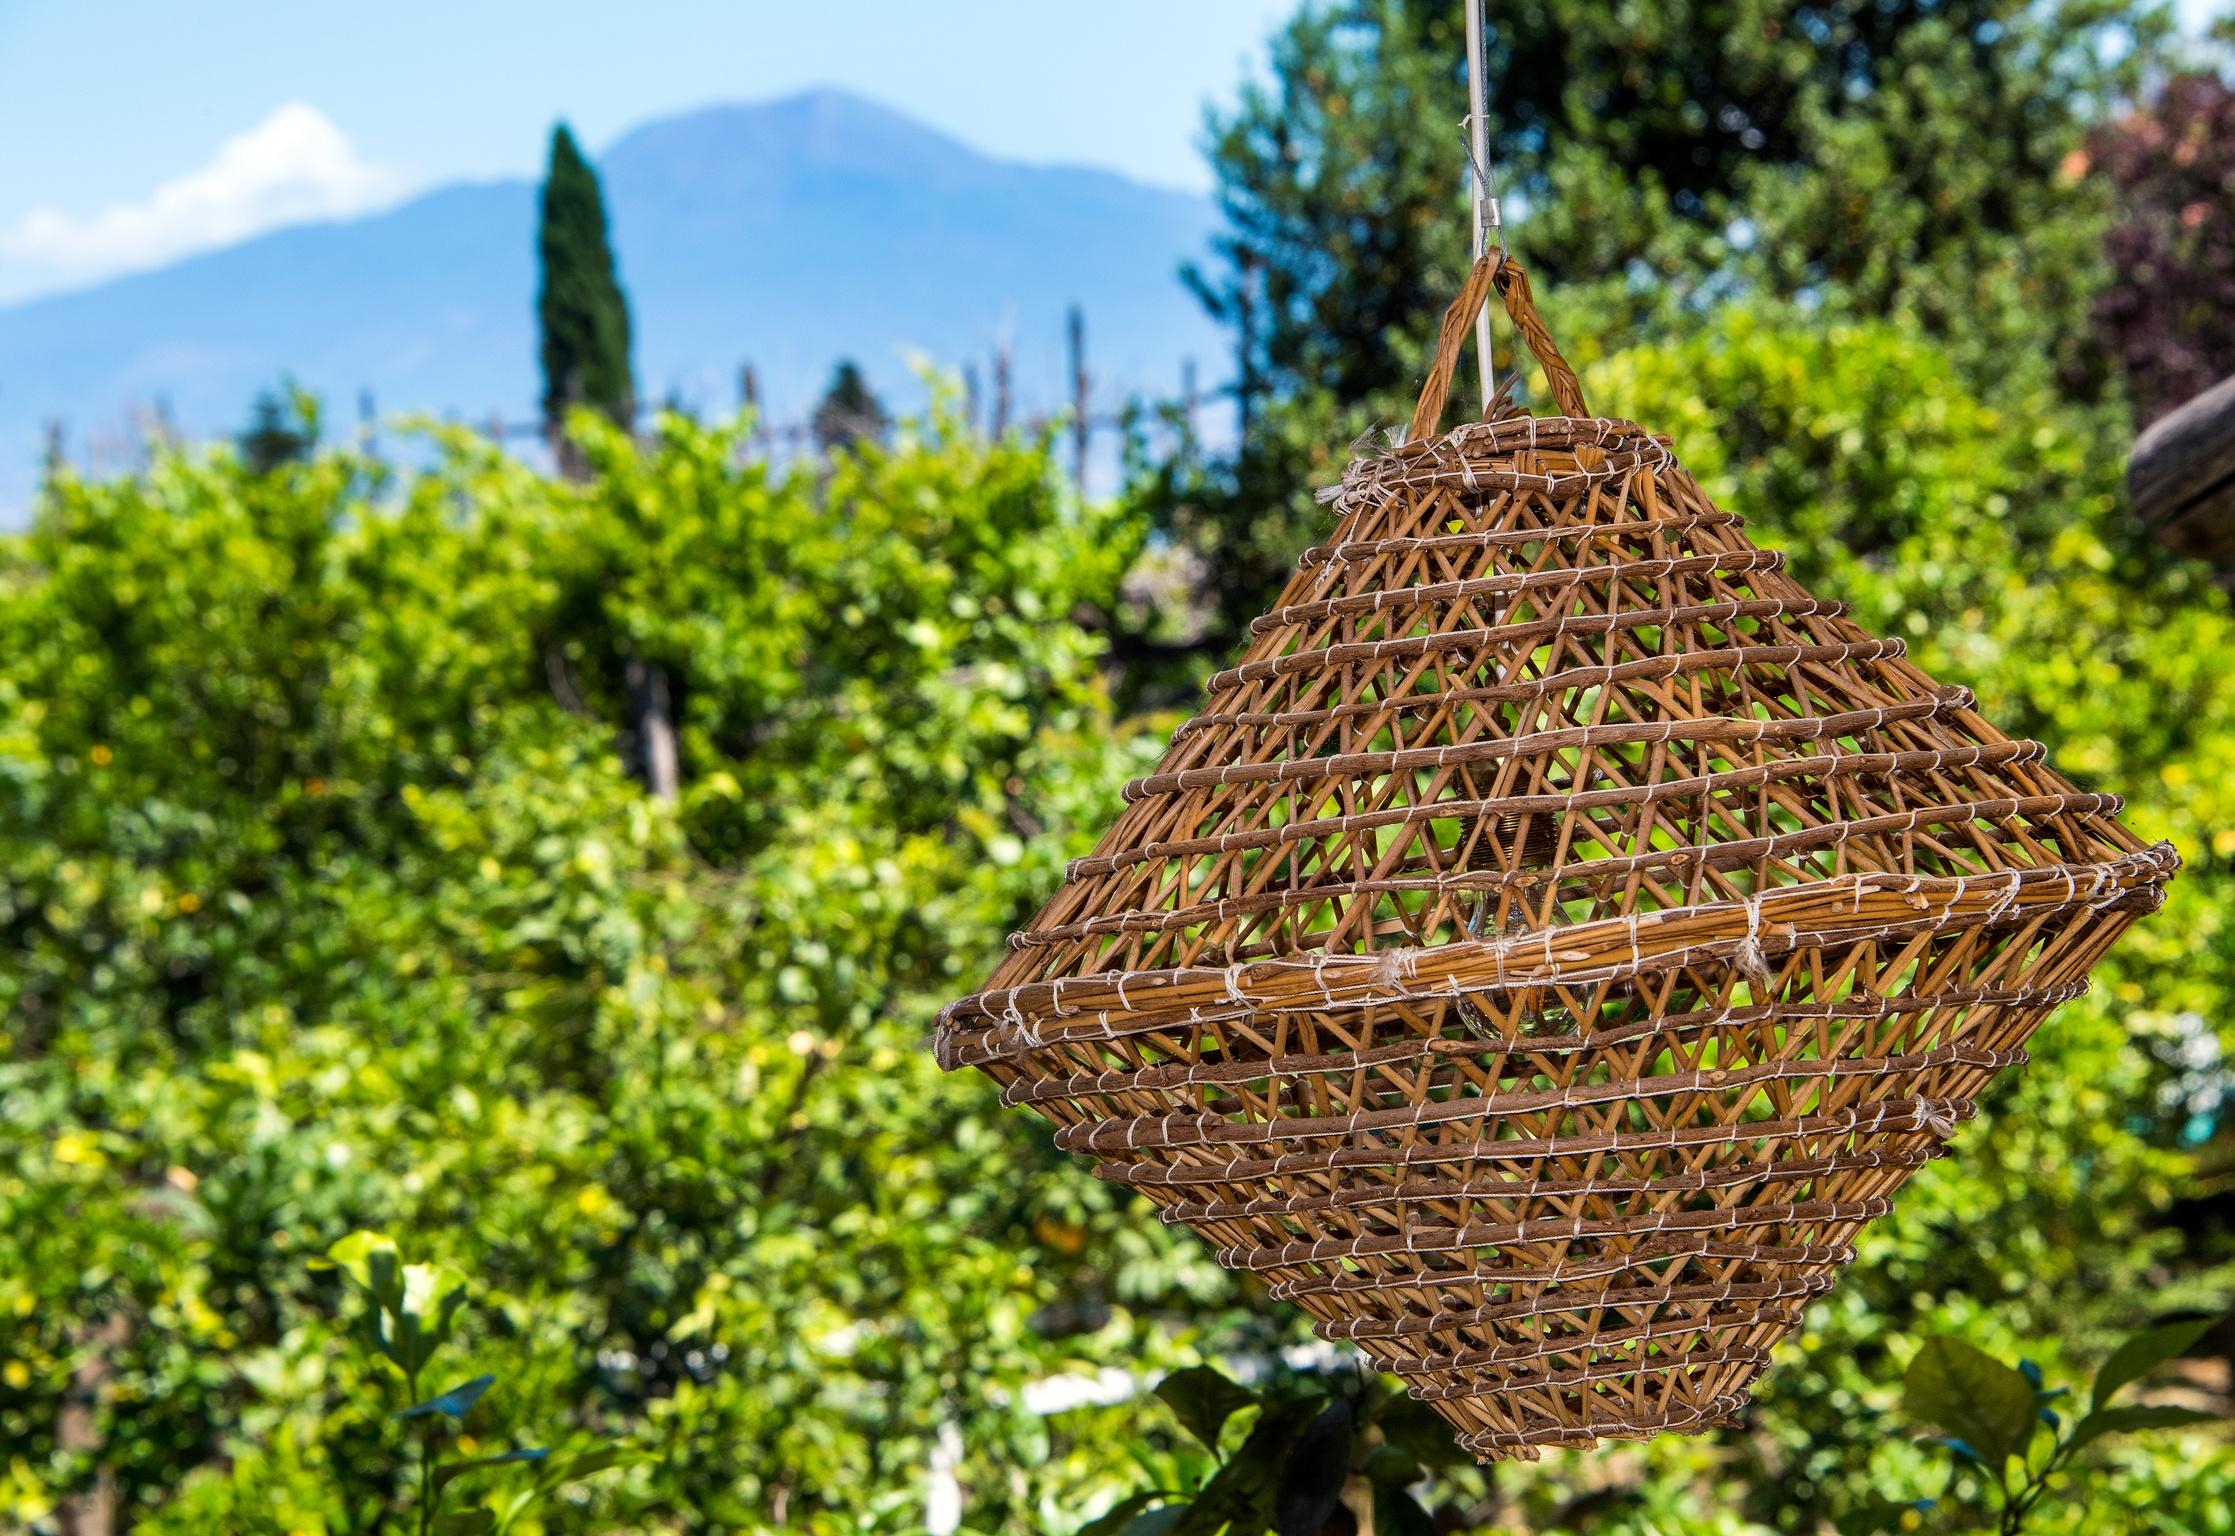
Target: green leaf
x=469, y=1522
x=1111, y=1520
x=1239, y=1496
x=429, y=1296
x=449, y=1471
x=454, y=1403
x=1202, y=1399
x=1160, y=1521
x=1312, y=1478
x=1391, y=1466
x=2144, y=1353
x=1414, y=1427
x=590, y=1464
x=1974, y=1397
x=372, y=1260
x=358, y=1253
x=2126, y=1421
x=1398, y=1513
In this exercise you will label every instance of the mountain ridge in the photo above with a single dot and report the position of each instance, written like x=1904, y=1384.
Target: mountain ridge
x=784, y=233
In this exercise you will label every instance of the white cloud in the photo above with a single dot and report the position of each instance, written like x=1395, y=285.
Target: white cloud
x=293, y=166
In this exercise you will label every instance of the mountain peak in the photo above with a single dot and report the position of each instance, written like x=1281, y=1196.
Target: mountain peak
x=785, y=234
x=821, y=131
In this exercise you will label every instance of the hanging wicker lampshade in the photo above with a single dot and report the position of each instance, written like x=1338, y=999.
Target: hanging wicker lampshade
x=1557, y=936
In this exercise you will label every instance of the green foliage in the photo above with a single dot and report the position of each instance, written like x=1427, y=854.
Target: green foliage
x=581, y=312
x=1202, y=1398
x=1871, y=159
x=412, y=1311
x=1322, y=1453
x=2169, y=314
x=331, y=905
x=1992, y=1419
x=1985, y=1408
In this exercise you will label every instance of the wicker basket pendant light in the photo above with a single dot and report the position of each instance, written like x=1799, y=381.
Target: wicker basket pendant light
x=1557, y=936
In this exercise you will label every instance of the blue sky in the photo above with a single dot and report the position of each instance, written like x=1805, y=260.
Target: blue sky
x=140, y=130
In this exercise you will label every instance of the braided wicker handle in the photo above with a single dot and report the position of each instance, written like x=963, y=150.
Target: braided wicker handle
x=1497, y=270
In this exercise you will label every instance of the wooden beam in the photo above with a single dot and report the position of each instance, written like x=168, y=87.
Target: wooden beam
x=2181, y=476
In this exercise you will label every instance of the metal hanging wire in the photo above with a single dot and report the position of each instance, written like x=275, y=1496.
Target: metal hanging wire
x=1488, y=225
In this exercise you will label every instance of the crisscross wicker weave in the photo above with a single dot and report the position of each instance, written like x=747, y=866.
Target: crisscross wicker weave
x=1557, y=936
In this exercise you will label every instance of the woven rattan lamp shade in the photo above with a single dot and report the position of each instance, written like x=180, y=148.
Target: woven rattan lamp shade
x=1557, y=936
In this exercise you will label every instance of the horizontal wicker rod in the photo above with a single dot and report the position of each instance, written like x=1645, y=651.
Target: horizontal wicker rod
x=1549, y=742
x=1452, y=1079
x=1680, y=1375
x=1518, y=1371
x=1552, y=1302
x=1521, y=636
x=1732, y=855
x=1579, y=878
x=1423, y=1238
x=1575, y=881
x=1858, y=905
x=1619, y=466
x=1618, y=530
x=1672, y=1027
x=1522, y=962
x=1728, y=664
x=1887, y=1117
x=1514, y=1269
x=1572, y=477
x=1181, y=1129
x=1540, y=1052
x=1775, y=1169
x=1690, y=1411
x=1561, y=580
x=1004, y=1038
x=1560, y=473
x=1824, y=767
x=1551, y=1346
x=1719, y=1410
x=1621, y=1367
x=1685, y=1369
x=1582, y=877
x=1569, y=1269
x=1484, y=438
x=1726, y=660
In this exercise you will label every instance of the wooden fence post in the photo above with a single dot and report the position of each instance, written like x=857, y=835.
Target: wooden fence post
x=1189, y=401
x=1079, y=385
x=1245, y=324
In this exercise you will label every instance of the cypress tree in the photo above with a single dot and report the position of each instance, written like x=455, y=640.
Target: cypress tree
x=849, y=413
x=583, y=315
x=282, y=429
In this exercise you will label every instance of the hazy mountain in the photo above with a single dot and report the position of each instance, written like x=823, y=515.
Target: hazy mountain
x=788, y=234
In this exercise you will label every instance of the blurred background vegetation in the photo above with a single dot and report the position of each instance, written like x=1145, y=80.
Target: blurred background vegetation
x=559, y=871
